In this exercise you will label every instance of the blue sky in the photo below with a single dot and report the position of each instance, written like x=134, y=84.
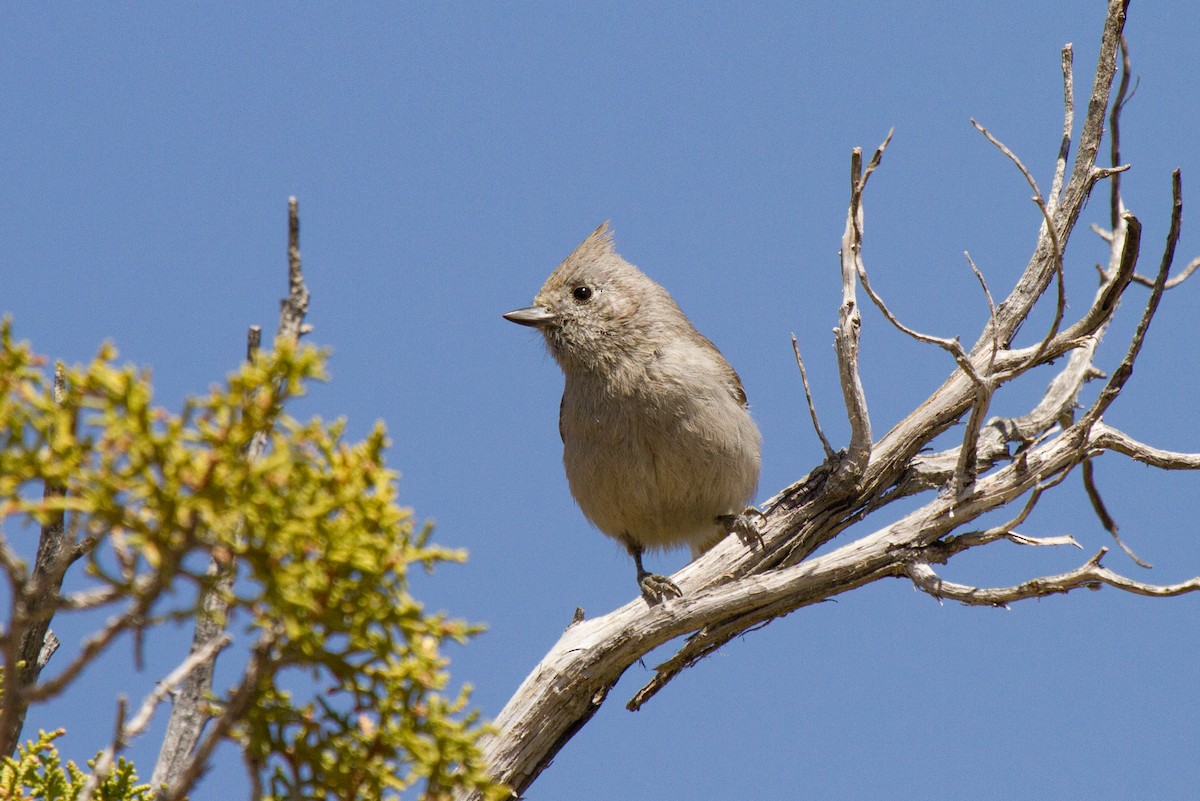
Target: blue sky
x=448, y=157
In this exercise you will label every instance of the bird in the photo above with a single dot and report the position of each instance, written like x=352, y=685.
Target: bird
x=659, y=447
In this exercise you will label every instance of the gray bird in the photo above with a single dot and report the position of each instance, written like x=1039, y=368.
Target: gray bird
x=658, y=444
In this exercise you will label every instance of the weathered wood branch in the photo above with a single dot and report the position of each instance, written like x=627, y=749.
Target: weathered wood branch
x=1090, y=575
x=734, y=588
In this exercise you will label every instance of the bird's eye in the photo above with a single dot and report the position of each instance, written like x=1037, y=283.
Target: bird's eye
x=582, y=293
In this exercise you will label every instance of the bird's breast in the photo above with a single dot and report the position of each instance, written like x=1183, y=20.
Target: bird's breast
x=657, y=470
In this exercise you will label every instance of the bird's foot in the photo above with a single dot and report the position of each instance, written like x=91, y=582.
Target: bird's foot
x=658, y=588
x=747, y=525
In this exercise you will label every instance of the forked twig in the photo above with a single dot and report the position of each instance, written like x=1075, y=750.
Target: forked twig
x=1060, y=306
x=1090, y=575
x=812, y=409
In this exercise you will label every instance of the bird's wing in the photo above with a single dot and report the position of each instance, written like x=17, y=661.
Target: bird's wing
x=561, y=402
x=731, y=380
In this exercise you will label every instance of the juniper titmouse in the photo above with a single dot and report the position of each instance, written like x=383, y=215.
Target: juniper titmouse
x=658, y=445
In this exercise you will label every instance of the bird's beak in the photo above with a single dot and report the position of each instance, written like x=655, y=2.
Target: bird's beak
x=534, y=316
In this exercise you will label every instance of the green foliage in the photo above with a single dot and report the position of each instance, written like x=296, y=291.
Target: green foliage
x=344, y=689
x=37, y=773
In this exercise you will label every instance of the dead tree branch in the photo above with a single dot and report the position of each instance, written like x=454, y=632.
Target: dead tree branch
x=849, y=330
x=812, y=409
x=192, y=710
x=1090, y=575
x=733, y=589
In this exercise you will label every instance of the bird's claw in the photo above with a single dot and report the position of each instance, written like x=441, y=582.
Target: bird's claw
x=658, y=588
x=747, y=525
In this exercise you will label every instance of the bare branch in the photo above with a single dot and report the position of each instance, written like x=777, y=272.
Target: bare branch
x=142, y=719
x=103, y=596
x=1125, y=369
x=1047, y=229
x=1040, y=269
x=104, y=761
x=1106, y=520
x=967, y=466
x=1186, y=272
x=1090, y=575
x=294, y=308
x=987, y=293
x=846, y=335
x=951, y=345
x=1106, y=437
x=812, y=409
x=1064, y=148
x=1114, y=134
x=1041, y=542
x=1109, y=296
x=1100, y=232
x=973, y=539
x=966, y=469
x=1060, y=396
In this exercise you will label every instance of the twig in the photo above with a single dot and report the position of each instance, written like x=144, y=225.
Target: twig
x=1114, y=134
x=973, y=539
x=987, y=293
x=1100, y=232
x=104, y=762
x=1040, y=269
x=966, y=469
x=294, y=308
x=126, y=732
x=1090, y=575
x=1125, y=369
x=1056, y=250
x=1106, y=519
x=1124, y=95
x=1064, y=148
x=1109, y=296
x=812, y=409
x=949, y=344
x=1184, y=274
x=1106, y=437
